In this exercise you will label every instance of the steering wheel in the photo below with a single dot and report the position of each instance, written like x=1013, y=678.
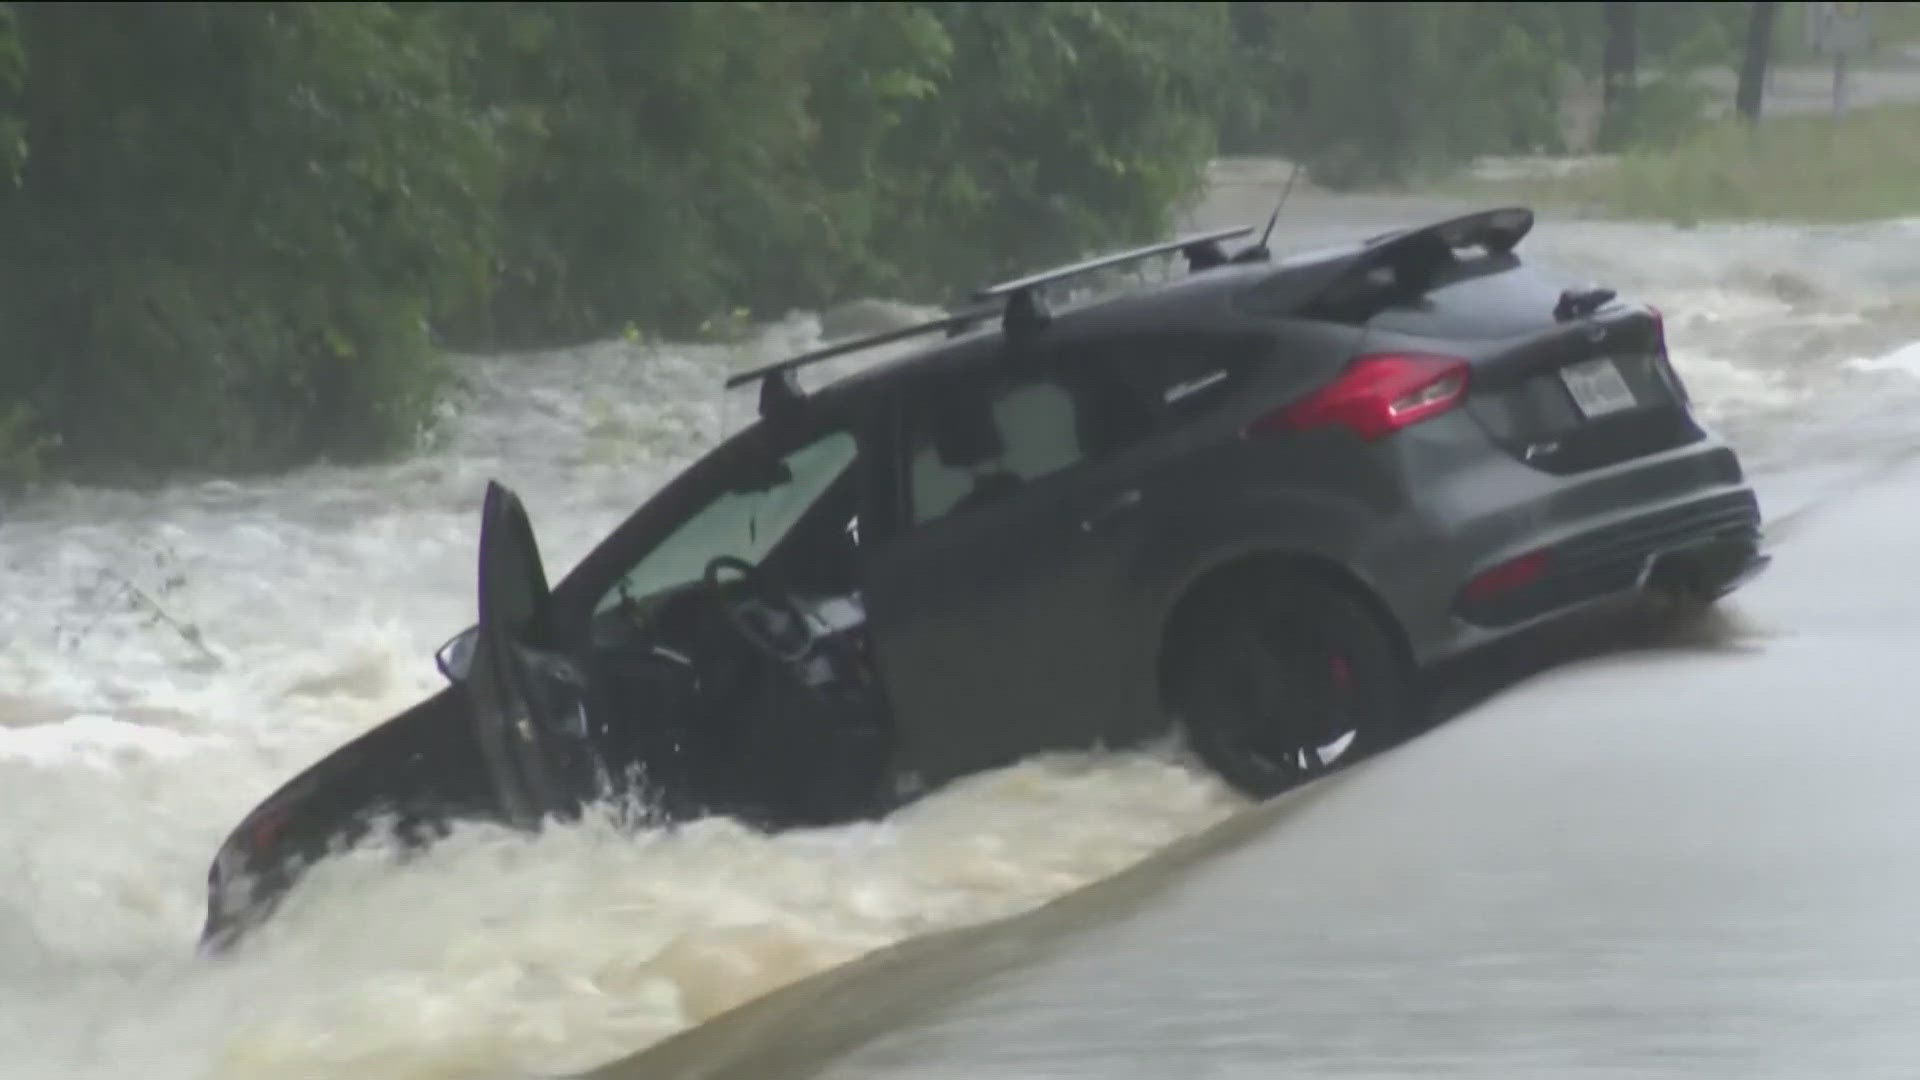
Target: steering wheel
x=750, y=616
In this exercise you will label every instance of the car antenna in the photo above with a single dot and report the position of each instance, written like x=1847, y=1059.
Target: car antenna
x=1260, y=252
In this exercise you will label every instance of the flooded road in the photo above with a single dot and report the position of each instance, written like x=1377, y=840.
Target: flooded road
x=1692, y=858
x=1697, y=861
x=173, y=655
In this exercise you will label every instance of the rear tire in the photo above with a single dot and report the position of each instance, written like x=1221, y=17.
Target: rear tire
x=1282, y=679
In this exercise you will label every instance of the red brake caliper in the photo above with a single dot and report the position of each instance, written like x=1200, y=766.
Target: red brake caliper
x=1342, y=673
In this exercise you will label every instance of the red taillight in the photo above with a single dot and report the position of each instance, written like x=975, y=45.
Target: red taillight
x=1666, y=360
x=1506, y=577
x=1376, y=396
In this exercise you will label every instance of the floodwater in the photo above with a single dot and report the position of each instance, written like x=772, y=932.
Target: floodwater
x=172, y=655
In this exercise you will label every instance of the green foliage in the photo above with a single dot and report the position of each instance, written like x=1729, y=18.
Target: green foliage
x=1387, y=93
x=672, y=160
x=1679, y=37
x=23, y=447
x=650, y=143
x=13, y=77
x=1663, y=112
x=238, y=221
x=226, y=228
x=1055, y=127
x=234, y=223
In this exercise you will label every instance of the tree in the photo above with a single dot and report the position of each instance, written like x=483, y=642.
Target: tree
x=672, y=161
x=226, y=228
x=13, y=76
x=1053, y=127
x=1619, y=70
x=232, y=227
x=1386, y=92
x=1753, y=65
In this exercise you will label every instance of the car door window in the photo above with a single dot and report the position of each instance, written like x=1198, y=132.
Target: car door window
x=975, y=447
x=746, y=521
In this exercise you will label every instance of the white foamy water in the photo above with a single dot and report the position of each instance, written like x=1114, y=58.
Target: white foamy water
x=174, y=655
x=300, y=610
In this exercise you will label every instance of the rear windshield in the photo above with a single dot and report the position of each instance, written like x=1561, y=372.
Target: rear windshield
x=1489, y=297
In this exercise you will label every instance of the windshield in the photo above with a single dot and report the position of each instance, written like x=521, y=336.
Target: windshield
x=746, y=524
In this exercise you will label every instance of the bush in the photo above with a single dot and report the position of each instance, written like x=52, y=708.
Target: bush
x=22, y=446
x=1663, y=113
x=232, y=222
x=679, y=159
x=1054, y=128
x=13, y=77
x=1393, y=93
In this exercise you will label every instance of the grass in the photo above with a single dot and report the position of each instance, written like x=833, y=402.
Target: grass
x=1863, y=165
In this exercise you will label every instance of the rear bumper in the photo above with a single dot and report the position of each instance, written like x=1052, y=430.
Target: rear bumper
x=1599, y=535
x=1705, y=547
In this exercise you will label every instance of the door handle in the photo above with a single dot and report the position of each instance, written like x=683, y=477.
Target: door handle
x=1111, y=511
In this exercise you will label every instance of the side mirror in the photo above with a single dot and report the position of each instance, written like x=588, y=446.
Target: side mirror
x=455, y=658
x=762, y=477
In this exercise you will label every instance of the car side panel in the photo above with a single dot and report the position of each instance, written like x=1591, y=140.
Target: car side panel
x=1214, y=528
x=972, y=623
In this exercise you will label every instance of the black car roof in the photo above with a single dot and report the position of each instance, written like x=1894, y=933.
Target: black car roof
x=1248, y=284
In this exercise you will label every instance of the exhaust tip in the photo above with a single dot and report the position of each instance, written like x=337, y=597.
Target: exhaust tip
x=1705, y=573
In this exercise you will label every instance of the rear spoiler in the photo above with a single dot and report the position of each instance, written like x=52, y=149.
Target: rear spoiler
x=1411, y=255
x=1498, y=231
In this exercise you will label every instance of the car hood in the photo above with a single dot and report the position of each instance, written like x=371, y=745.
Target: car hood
x=419, y=768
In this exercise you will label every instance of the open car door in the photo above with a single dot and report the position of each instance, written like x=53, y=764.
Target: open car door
x=508, y=741
x=529, y=703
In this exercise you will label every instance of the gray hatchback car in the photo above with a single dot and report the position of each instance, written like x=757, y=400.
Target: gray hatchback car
x=1256, y=501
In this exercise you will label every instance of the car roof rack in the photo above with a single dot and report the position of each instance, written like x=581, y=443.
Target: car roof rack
x=1017, y=302
x=780, y=391
x=888, y=337
x=1026, y=311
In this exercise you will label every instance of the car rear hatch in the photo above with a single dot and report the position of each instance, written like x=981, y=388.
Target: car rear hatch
x=1565, y=380
x=1584, y=393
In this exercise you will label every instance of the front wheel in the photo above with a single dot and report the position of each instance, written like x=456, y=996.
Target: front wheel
x=1282, y=682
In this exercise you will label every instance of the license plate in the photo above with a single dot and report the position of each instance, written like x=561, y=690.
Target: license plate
x=1597, y=387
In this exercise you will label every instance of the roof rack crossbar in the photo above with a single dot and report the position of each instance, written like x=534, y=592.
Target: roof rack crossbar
x=948, y=322
x=1013, y=300
x=1017, y=285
